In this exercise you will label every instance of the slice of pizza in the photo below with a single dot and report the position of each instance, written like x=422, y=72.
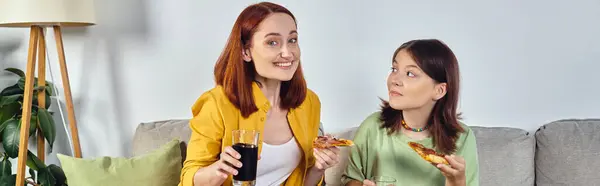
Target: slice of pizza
x=428, y=154
x=328, y=141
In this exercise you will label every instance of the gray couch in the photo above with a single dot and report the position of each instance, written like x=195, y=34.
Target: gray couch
x=565, y=152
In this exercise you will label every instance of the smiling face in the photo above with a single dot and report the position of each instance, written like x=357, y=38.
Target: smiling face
x=409, y=86
x=274, y=48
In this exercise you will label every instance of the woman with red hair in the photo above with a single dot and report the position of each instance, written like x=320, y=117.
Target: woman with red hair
x=260, y=86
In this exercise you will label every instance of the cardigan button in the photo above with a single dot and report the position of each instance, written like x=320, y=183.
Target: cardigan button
x=262, y=119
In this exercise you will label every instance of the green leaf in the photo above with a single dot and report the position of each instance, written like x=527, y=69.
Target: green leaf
x=16, y=71
x=5, y=167
x=47, y=126
x=7, y=122
x=12, y=134
x=7, y=100
x=9, y=111
x=10, y=139
x=50, y=89
x=58, y=174
x=33, y=124
x=32, y=174
x=39, y=88
x=48, y=100
x=12, y=90
x=21, y=83
x=8, y=180
x=45, y=177
x=33, y=162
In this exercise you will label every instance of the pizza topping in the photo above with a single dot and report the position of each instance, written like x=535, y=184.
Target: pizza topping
x=328, y=141
x=428, y=154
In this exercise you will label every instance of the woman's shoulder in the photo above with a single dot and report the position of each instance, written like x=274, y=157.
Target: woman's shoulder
x=371, y=123
x=466, y=129
x=312, y=97
x=311, y=101
x=214, y=98
x=465, y=137
x=215, y=92
x=372, y=119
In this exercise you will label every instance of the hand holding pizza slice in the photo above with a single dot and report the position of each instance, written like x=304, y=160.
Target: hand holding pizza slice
x=451, y=166
x=326, y=151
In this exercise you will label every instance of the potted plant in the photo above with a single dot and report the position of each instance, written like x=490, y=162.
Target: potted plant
x=11, y=108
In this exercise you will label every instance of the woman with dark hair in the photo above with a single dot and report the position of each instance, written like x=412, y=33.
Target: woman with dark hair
x=260, y=86
x=423, y=90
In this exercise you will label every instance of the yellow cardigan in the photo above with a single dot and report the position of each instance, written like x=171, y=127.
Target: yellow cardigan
x=215, y=117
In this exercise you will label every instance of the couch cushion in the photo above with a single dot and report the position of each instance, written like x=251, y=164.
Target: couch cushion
x=160, y=167
x=149, y=136
x=506, y=156
x=568, y=153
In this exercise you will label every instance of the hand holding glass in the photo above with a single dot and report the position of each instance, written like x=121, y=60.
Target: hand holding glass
x=245, y=142
x=384, y=181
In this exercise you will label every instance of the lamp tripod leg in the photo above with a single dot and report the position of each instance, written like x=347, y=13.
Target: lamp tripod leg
x=41, y=97
x=27, y=101
x=67, y=89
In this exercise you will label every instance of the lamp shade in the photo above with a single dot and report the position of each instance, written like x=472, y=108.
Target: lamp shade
x=26, y=13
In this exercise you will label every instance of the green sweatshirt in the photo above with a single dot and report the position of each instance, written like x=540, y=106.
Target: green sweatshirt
x=376, y=153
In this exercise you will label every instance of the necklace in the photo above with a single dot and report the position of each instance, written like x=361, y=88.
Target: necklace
x=414, y=129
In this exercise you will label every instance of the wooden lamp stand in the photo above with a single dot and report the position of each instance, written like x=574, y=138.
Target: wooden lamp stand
x=37, y=46
x=37, y=15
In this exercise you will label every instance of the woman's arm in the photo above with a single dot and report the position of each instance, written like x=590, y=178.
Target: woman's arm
x=324, y=158
x=314, y=176
x=204, y=145
x=216, y=173
x=358, y=161
x=464, y=167
x=469, y=153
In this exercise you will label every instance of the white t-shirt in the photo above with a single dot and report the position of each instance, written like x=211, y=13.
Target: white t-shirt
x=277, y=162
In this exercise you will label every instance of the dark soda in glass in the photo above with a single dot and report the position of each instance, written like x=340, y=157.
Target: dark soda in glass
x=245, y=142
x=249, y=161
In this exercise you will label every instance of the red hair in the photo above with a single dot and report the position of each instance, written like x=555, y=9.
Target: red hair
x=236, y=76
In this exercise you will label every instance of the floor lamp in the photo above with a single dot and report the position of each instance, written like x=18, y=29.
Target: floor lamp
x=37, y=15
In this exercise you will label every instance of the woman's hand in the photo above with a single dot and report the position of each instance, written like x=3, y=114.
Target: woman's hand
x=218, y=172
x=326, y=157
x=455, y=173
x=365, y=182
x=368, y=183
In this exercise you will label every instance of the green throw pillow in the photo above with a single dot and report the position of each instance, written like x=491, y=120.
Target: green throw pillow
x=161, y=167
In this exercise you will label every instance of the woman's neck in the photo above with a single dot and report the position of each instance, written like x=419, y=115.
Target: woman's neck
x=417, y=118
x=270, y=89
